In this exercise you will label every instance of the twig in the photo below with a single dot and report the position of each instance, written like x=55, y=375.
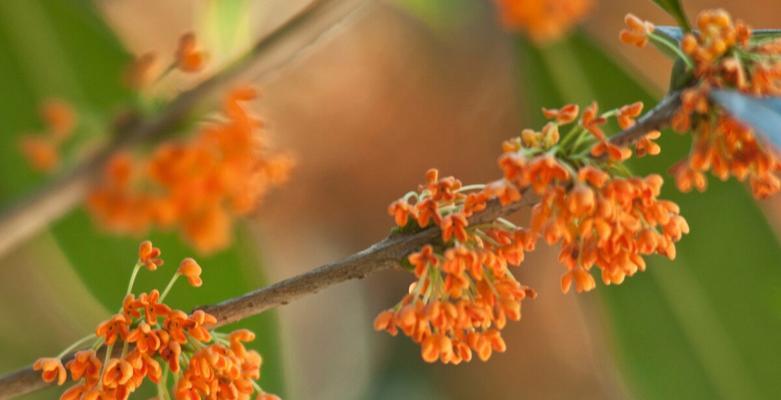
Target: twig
x=657, y=118
x=380, y=256
x=29, y=215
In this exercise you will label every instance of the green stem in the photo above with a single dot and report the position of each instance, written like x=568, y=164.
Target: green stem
x=76, y=344
x=162, y=386
x=133, y=276
x=170, y=285
x=672, y=47
x=506, y=223
x=476, y=186
x=109, y=349
x=124, y=349
x=569, y=135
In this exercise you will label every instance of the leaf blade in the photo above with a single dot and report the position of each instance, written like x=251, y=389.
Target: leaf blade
x=762, y=114
x=674, y=8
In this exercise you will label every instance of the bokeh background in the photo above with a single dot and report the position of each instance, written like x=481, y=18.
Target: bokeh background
x=399, y=87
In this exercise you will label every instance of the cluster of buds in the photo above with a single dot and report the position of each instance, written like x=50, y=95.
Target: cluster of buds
x=543, y=20
x=195, y=185
x=723, y=54
x=583, y=199
x=158, y=342
x=42, y=150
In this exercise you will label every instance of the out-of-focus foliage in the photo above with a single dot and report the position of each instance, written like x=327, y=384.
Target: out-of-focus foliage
x=63, y=49
x=50, y=48
x=701, y=326
x=225, y=28
x=440, y=15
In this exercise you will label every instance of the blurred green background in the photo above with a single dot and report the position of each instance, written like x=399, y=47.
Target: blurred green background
x=407, y=85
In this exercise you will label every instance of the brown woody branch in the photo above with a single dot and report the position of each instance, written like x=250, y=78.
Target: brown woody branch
x=383, y=255
x=33, y=213
x=387, y=253
x=656, y=119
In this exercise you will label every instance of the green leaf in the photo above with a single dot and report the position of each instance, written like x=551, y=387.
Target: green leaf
x=762, y=114
x=673, y=7
x=704, y=325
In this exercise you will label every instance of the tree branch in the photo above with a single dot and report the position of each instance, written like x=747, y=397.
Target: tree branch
x=383, y=255
x=29, y=215
x=655, y=119
x=387, y=253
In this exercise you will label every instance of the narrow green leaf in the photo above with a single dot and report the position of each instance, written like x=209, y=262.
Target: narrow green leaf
x=762, y=114
x=673, y=7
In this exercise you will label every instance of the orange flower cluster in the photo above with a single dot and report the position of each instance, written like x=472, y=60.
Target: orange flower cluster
x=42, y=151
x=194, y=185
x=465, y=292
x=600, y=219
x=222, y=371
x=543, y=20
x=205, y=364
x=607, y=222
x=724, y=55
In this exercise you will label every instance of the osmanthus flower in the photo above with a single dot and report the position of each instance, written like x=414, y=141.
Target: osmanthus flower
x=543, y=20
x=149, y=255
x=158, y=342
x=197, y=185
x=51, y=370
x=190, y=269
x=189, y=57
x=722, y=54
x=582, y=198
